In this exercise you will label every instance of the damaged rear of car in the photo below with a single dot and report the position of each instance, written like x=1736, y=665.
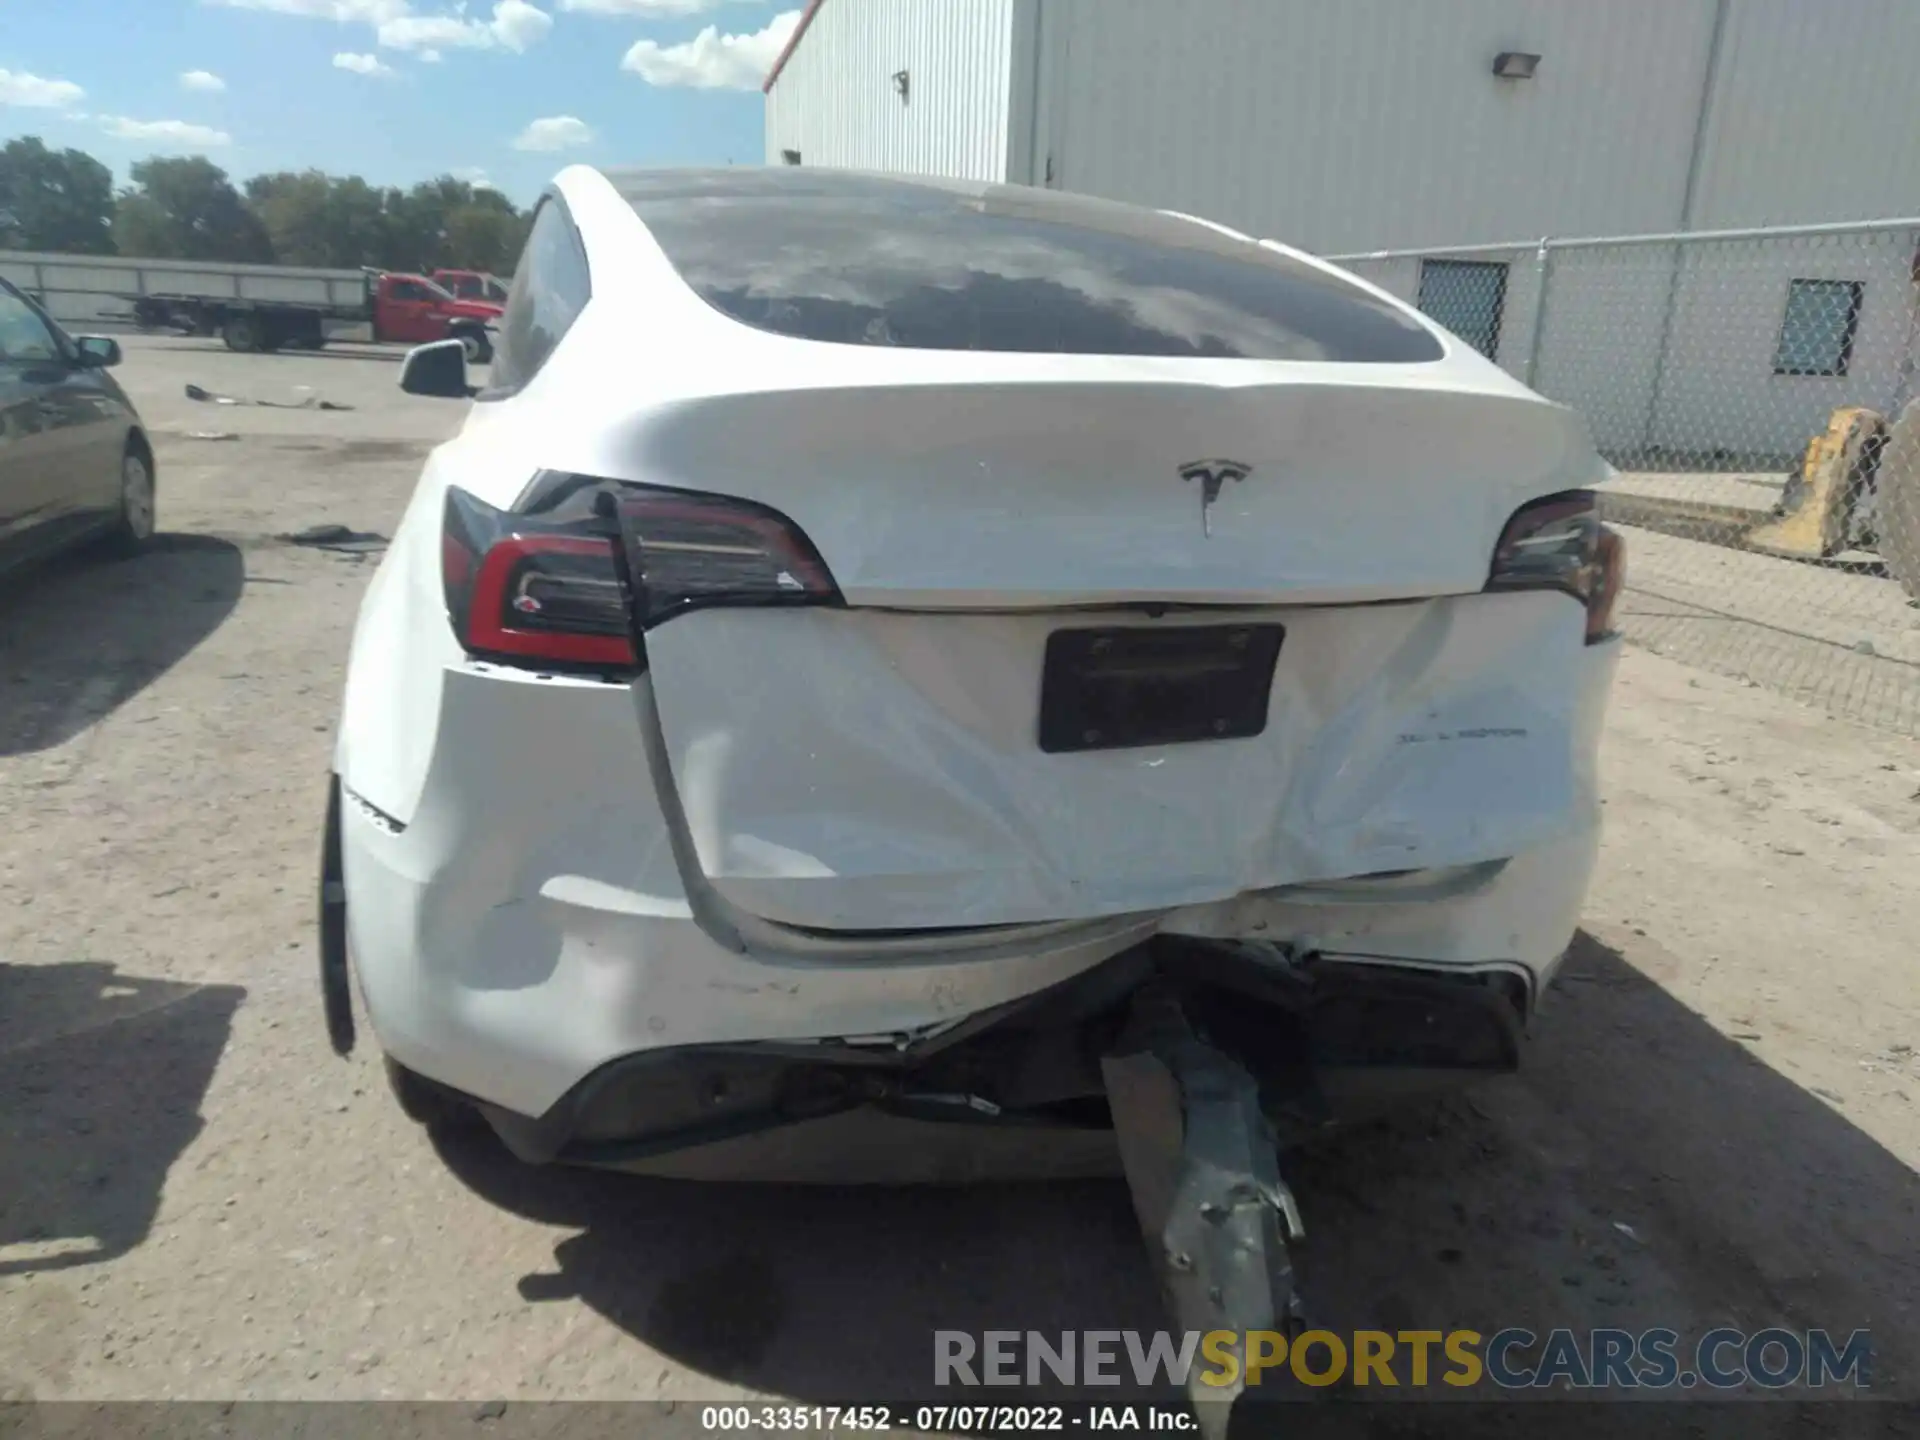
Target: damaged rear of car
x=1060, y=683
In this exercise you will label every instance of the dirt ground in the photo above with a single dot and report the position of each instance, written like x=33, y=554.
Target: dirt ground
x=1719, y=1123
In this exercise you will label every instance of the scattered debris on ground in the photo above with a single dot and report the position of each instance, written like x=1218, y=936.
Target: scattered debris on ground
x=305, y=402
x=342, y=539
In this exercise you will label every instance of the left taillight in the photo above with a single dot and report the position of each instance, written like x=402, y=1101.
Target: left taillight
x=527, y=591
x=1559, y=543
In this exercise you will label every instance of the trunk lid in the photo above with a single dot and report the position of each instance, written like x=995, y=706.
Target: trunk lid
x=881, y=767
x=1020, y=495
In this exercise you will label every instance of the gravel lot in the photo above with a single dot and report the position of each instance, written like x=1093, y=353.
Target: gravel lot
x=197, y=1200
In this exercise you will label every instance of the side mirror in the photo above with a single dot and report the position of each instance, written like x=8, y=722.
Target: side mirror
x=439, y=369
x=98, y=352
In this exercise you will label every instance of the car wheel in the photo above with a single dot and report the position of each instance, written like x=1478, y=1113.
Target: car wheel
x=426, y=1103
x=242, y=333
x=134, y=527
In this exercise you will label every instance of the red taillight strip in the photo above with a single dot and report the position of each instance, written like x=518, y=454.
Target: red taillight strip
x=486, y=632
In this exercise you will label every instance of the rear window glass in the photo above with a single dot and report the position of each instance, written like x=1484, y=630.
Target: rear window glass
x=868, y=260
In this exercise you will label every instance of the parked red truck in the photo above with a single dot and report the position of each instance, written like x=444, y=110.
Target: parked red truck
x=259, y=315
x=472, y=285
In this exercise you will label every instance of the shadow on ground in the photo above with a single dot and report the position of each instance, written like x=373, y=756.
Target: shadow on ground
x=810, y=1291
x=101, y=1080
x=1643, y=1171
x=82, y=635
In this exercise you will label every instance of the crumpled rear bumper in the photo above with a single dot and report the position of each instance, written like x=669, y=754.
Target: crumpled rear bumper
x=516, y=935
x=1325, y=1042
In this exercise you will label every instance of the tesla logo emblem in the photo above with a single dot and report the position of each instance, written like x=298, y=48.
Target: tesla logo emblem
x=1212, y=474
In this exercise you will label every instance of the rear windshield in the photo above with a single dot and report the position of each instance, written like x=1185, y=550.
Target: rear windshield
x=867, y=260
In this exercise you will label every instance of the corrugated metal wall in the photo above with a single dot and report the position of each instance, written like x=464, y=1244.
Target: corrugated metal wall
x=836, y=104
x=1348, y=124
x=1816, y=116
x=1358, y=124
x=1341, y=125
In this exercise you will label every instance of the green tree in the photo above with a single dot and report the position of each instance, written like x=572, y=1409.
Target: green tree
x=447, y=222
x=189, y=209
x=412, y=238
x=484, y=237
x=186, y=208
x=54, y=199
x=312, y=218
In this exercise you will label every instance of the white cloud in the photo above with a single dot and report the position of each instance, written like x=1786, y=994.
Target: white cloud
x=515, y=25
x=712, y=60
x=19, y=88
x=429, y=57
x=370, y=12
x=646, y=9
x=475, y=176
x=413, y=32
x=555, y=132
x=364, y=65
x=202, y=80
x=176, y=134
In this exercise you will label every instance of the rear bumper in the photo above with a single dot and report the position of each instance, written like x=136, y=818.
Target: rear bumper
x=1327, y=1042
x=516, y=937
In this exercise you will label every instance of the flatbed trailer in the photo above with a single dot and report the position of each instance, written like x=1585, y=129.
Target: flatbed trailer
x=250, y=307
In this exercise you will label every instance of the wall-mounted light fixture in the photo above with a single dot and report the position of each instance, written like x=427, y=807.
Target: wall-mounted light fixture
x=1515, y=65
x=902, y=82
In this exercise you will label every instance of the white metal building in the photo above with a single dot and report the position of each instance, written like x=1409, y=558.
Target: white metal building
x=1358, y=125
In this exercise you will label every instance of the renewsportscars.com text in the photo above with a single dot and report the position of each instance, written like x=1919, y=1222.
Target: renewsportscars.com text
x=1511, y=1359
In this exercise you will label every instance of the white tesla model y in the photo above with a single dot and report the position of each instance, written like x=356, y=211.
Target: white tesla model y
x=902, y=648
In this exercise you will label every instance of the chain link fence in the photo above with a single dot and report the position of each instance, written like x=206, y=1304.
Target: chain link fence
x=1756, y=391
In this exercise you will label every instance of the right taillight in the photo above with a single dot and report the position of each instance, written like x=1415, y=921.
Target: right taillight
x=1559, y=543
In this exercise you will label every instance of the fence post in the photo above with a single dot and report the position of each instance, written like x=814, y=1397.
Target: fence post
x=1910, y=348
x=1543, y=266
x=1658, y=392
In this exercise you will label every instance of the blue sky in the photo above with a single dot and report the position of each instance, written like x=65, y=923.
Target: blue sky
x=508, y=91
